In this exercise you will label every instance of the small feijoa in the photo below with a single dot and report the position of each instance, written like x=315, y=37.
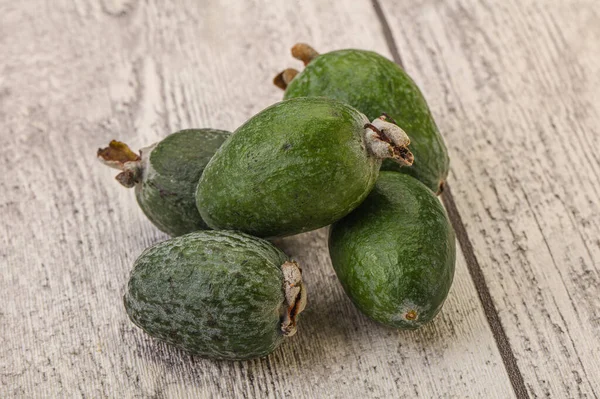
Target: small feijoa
x=395, y=254
x=165, y=176
x=218, y=294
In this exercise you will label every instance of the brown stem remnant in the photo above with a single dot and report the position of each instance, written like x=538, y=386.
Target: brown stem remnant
x=295, y=297
x=388, y=140
x=119, y=156
x=441, y=187
x=284, y=78
x=304, y=53
x=411, y=315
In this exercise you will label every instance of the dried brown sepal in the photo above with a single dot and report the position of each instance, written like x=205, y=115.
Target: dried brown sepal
x=384, y=116
x=295, y=297
x=283, y=79
x=304, y=53
x=118, y=155
x=389, y=128
x=403, y=156
x=387, y=140
x=127, y=178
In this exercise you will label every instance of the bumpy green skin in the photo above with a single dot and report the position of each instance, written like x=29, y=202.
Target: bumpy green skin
x=170, y=175
x=215, y=294
x=296, y=166
x=395, y=253
x=375, y=85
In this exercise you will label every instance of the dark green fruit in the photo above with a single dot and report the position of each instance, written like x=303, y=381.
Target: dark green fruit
x=374, y=85
x=165, y=176
x=298, y=165
x=219, y=294
x=395, y=254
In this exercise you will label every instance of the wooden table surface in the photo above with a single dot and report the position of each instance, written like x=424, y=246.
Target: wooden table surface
x=515, y=88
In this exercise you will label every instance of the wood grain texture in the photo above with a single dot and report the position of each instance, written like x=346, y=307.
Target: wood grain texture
x=514, y=86
x=75, y=74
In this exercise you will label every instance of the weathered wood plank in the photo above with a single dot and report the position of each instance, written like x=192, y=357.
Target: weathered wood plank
x=75, y=75
x=515, y=88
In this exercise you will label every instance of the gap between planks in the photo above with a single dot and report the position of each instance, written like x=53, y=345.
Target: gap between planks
x=491, y=313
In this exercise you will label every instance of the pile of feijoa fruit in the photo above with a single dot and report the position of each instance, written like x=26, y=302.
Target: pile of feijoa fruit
x=353, y=145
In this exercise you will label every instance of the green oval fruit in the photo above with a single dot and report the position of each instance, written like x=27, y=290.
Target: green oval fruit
x=165, y=176
x=395, y=254
x=296, y=166
x=374, y=85
x=219, y=294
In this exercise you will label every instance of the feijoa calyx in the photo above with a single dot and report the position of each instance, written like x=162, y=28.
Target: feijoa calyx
x=218, y=294
x=374, y=85
x=165, y=176
x=296, y=166
x=395, y=254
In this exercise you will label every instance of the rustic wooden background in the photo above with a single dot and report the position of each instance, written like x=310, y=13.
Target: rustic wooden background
x=515, y=88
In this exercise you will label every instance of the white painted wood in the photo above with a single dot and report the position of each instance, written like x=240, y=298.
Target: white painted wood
x=515, y=88
x=75, y=74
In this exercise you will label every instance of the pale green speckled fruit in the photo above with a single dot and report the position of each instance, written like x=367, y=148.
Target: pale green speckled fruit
x=219, y=294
